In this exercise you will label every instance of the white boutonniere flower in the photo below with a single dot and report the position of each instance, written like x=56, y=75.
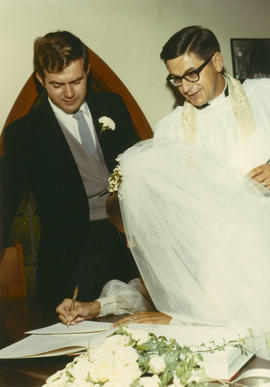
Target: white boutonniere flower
x=107, y=124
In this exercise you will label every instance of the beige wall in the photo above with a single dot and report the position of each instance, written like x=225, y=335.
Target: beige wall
x=127, y=34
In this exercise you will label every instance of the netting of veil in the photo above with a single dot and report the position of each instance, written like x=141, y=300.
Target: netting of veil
x=200, y=234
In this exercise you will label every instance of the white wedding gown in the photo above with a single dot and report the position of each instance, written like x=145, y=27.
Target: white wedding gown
x=199, y=231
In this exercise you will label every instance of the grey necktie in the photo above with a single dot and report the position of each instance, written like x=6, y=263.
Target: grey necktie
x=86, y=136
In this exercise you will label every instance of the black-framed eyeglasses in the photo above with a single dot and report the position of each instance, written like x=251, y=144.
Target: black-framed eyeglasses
x=191, y=76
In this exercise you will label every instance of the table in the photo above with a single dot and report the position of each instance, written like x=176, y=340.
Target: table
x=18, y=316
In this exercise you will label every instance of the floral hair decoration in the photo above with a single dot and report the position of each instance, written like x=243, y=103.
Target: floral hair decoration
x=115, y=178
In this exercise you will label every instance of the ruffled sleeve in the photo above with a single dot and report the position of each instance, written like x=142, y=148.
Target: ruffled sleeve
x=118, y=297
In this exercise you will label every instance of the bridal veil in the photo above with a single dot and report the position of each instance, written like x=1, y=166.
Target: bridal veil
x=200, y=234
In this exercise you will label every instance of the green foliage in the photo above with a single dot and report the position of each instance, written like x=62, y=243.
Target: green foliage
x=181, y=361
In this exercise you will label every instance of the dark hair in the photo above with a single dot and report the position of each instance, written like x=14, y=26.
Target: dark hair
x=195, y=39
x=54, y=51
x=113, y=211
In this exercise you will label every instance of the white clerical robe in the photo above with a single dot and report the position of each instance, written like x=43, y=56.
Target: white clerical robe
x=217, y=128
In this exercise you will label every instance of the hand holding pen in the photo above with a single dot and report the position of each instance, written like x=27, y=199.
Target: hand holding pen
x=72, y=312
x=74, y=298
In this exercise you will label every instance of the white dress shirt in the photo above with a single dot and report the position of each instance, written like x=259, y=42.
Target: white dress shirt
x=71, y=124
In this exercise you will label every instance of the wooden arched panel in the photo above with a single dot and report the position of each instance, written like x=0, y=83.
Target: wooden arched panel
x=101, y=78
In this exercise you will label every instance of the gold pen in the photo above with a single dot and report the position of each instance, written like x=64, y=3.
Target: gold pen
x=75, y=294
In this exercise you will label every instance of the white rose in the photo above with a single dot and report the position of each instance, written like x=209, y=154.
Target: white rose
x=150, y=381
x=80, y=369
x=133, y=372
x=116, y=340
x=99, y=353
x=157, y=364
x=101, y=369
x=140, y=336
x=126, y=355
x=125, y=374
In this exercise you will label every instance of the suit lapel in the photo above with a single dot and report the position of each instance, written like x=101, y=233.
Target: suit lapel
x=57, y=143
x=96, y=106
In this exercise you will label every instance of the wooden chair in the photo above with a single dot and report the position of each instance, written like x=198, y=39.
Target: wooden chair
x=101, y=78
x=12, y=278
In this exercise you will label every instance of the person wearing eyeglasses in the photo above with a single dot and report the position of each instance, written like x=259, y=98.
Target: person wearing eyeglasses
x=220, y=115
x=196, y=226
x=197, y=249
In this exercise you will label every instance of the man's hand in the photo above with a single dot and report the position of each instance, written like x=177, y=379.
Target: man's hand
x=145, y=318
x=82, y=311
x=261, y=174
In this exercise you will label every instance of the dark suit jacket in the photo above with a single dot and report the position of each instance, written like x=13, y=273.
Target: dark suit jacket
x=38, y=157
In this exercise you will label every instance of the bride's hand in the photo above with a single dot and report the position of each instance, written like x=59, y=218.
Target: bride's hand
x=82, y=311
x=261, y=175
x=145, y=318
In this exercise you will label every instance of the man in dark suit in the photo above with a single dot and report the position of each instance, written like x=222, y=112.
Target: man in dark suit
x=47, y=151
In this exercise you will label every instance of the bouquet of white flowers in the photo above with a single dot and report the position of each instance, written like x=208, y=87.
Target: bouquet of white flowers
x=133, y=358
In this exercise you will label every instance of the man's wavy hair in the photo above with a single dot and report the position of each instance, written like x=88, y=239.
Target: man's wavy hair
x=56, y=50
x=193, y=39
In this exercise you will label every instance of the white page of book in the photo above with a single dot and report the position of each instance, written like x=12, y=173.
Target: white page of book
x=252, y=153
x=82, y=327
x=51, y=345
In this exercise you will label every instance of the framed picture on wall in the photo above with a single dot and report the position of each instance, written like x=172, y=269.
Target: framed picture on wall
x=250, y=58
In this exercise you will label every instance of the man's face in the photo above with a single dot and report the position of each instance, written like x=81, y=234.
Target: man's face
x=210, y=84
x=67, y=89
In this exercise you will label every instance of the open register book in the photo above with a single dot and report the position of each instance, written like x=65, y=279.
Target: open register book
x=58, y=340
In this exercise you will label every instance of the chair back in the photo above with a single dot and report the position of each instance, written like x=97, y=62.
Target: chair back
x=12, y=277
